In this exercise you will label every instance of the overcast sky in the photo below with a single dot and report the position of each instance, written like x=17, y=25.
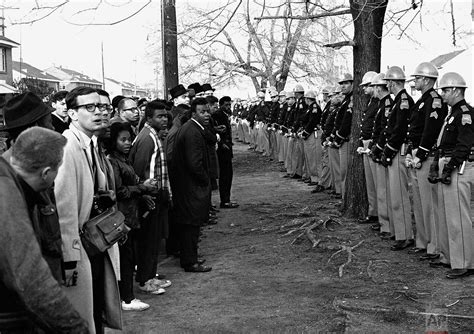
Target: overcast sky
x=54, y=40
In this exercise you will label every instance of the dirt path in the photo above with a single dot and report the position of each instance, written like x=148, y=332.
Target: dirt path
x=260, y=282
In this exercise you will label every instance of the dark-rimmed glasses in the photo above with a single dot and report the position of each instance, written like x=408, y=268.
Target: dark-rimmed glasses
x=92, y=106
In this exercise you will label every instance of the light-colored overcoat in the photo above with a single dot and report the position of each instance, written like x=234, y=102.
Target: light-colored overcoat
x=74, y=190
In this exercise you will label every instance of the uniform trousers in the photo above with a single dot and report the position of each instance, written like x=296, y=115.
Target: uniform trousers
x=371, y=184
x=457, y=203
x=399, y=198
x=280, y=147
x=284, y=140
x=441, y=220
x=273, y=147
x=334, y=162
x=423, y=195
x=326, y=179
x=266, y=140
x=289, y=156
x=297, y=157
x=253, y=136
x=240, y=131
x=344, y=163
x=246, y=131
x=384, y=209
x=312, y=157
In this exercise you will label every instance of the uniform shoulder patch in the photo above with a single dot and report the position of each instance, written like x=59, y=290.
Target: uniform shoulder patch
x=404, y=104
x=436, y=103
x=404, y=96
x=464, y=108
x=387, y=102
x=434, y=114
x=466, y=119
x=315, y=109
x=434, y=94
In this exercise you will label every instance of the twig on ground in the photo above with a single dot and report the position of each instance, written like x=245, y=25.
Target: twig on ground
x=312, y=238
x=458, y=300
x=349, y=256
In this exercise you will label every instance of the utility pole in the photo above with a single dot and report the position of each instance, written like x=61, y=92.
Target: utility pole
x=169, y=45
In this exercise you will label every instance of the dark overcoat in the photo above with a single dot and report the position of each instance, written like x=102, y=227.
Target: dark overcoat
x=192, y=191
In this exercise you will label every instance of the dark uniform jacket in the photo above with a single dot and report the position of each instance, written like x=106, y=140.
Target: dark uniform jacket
x=301, y=108
x=368, y=119
x=328, y=125
x=221, y=118
x=397, y=124
x=457, y=140
x=273, y=114
x=426, y=121
x=314, y=119
x=291, y=117
x=282, y=111
x=342, y=130
x=262, y=111
x=192, y=190
x=379, y=132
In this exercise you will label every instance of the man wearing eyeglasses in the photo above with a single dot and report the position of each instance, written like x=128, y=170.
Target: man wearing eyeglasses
x=83, y=174
x=128, y=112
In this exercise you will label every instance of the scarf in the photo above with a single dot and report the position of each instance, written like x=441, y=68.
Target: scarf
x=158, y=165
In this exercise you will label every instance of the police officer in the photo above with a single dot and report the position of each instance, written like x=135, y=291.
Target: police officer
x=456, y=163
x=393, y=157
x=311, y=139
x=282, y=141
x=298, y=152
x=333, y=152
x=378, y=139
x=425, y=125
x=325, y=179
x=272, y=118
x=342, y=129
x=288, y=128
x=366, y=127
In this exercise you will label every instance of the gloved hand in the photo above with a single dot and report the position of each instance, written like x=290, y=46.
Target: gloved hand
x=360, y=150
x=376, y=153
x=433, y=175
x=69, y=273
x=408, y=161
x=387, y=156
x=446, y=175
x=416, y=163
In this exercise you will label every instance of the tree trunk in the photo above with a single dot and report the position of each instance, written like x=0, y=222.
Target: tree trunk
x=170, y=45
x=368, y=27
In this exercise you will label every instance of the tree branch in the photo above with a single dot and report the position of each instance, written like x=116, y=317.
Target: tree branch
x=307, y=17
x=338, y=45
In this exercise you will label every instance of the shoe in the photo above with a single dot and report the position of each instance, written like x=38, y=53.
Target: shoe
x=135, y=305
x=318, y=189
x=150, y=288
x=161, y=283
x=312, y=183
x=214, y=210
x=417, y=250
x=458, y=273
x=402, y=244
x=429, y=257
x=439, y=264
x=201, y=261
x=368, y=220
x=286, y=176
x=376, y=227
x=229, y=205
x=332, y=192
x=296, y=176
x=337, y=196
x=385, y=235
x=197, y=268
x=211, y=222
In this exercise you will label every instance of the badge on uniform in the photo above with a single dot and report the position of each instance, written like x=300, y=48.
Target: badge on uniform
x=436, y=103
x=315, y=110
x=421, y=105
x=76, y=244
x=404, y=104
x=451, y=120
x=434, y=114
x=466, y=119
x=387, y=112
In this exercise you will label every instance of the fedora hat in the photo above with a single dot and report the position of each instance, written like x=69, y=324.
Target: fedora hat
x=205, y=87
x=196, y=86
x=23, y=110
x=178, y=91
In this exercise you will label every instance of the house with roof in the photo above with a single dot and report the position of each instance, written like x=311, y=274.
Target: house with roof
x=28, y=74
x=70, y=79
x=6, y=73
x=130, y=89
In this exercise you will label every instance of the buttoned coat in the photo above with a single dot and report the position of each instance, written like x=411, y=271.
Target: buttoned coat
x=74, y=190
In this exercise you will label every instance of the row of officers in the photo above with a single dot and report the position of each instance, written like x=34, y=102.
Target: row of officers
x=424, y=148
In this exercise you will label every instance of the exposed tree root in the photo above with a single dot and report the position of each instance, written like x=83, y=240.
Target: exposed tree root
x=349, y=256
